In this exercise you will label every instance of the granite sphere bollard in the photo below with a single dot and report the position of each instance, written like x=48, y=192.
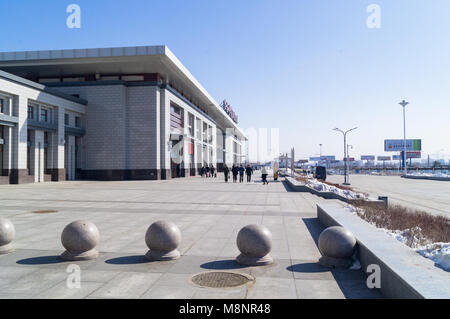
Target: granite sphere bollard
x=337, y=246
x=80, y=239
x=7, y=234
x=163, y=239
x=254, y=242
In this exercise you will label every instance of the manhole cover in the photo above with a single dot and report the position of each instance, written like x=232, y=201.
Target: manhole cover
x=221, y=279
x=44, y=211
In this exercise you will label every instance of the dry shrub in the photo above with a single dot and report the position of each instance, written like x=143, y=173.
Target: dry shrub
x=345, y=188
x=397, y=217
x=303, y=179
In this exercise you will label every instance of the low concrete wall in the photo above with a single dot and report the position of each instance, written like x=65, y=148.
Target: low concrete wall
x=431, y=178
x=296, y=186
x=404, y=273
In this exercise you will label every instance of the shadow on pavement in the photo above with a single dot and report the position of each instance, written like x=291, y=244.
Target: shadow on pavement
x=222, y=265
x=42, y=260
x=315, y=228
x=308, y=268
x=286, y=186
x=128, y=260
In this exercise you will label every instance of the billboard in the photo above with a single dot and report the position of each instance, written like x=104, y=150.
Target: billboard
x=328, y=158
x=350, y=159
x=367, y=157
x=383, y=158
x=315, y=159
x=302, y=161
x=396, y=157
x=398, y=145
x=413, y=154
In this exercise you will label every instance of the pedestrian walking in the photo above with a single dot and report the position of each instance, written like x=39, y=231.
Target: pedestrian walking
x=241, y=173
x=249, y=172
x=213, y=171
x=207, y=170
x=264, y=175
x=235, y=171
x=202, y=171
x=226, y=172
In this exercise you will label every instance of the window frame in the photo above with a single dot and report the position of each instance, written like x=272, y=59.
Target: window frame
x=30, y=108
x=43, y=111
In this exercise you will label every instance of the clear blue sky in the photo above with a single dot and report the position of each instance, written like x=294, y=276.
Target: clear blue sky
x=302, y=66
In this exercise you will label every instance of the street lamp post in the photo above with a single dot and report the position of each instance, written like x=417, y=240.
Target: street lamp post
x=344, y=133
x=404, y=104
x=320, y=154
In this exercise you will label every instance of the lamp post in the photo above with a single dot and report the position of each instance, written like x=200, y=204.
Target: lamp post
x=348, y=160
x=344, y=133
x=320, y=154
x=404, y=104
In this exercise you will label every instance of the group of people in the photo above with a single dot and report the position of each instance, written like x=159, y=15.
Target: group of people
x=238, y=171
x=208, y=171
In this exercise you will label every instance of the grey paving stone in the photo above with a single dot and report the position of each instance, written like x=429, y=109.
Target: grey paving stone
x=272, y=288
x=318, y=289
x=62, y=291
x=169, y=292
x=130, y=285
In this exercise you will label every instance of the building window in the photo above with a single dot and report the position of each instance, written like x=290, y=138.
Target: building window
x=44, y=115
x=66, y=119
x=30, y=112
x=176, y=119
x=2, y=106
x=191, y=124
x=210, y=136
x=77, y=121
x=198, y=127
x=205, y=132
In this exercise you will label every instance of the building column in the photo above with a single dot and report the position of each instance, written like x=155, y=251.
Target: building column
x=214, y=146
x=37, y=161
x=229, y=160
x=70, y=161
x=19, y=171
x=164, y=141
x=185, y=167
x=56, y=148
x=7, y=150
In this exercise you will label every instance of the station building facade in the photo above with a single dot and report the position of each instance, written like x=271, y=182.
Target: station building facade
x=109, y=114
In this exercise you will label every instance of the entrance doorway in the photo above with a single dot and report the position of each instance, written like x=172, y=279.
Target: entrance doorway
x=176, y=159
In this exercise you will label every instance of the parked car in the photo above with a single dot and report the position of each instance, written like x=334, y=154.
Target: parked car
x=320, y=172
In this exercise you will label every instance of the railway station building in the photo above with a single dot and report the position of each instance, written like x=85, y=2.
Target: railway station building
x=129, y=113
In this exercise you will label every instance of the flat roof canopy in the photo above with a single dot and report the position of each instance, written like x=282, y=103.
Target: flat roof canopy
x=121, y=60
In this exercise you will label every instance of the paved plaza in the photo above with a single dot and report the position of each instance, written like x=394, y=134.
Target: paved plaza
x=430, y=196
x=209, y=214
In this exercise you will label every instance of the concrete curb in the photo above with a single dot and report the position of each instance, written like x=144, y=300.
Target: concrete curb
x=431, y=178
x=404, y=273
x=299, y=187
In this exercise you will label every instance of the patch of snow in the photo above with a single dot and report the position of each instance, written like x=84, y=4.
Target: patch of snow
x=322, y=187
x=439, y=253
x=435, y=174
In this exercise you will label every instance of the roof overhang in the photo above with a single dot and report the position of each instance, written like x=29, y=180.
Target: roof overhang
x=112, y=61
